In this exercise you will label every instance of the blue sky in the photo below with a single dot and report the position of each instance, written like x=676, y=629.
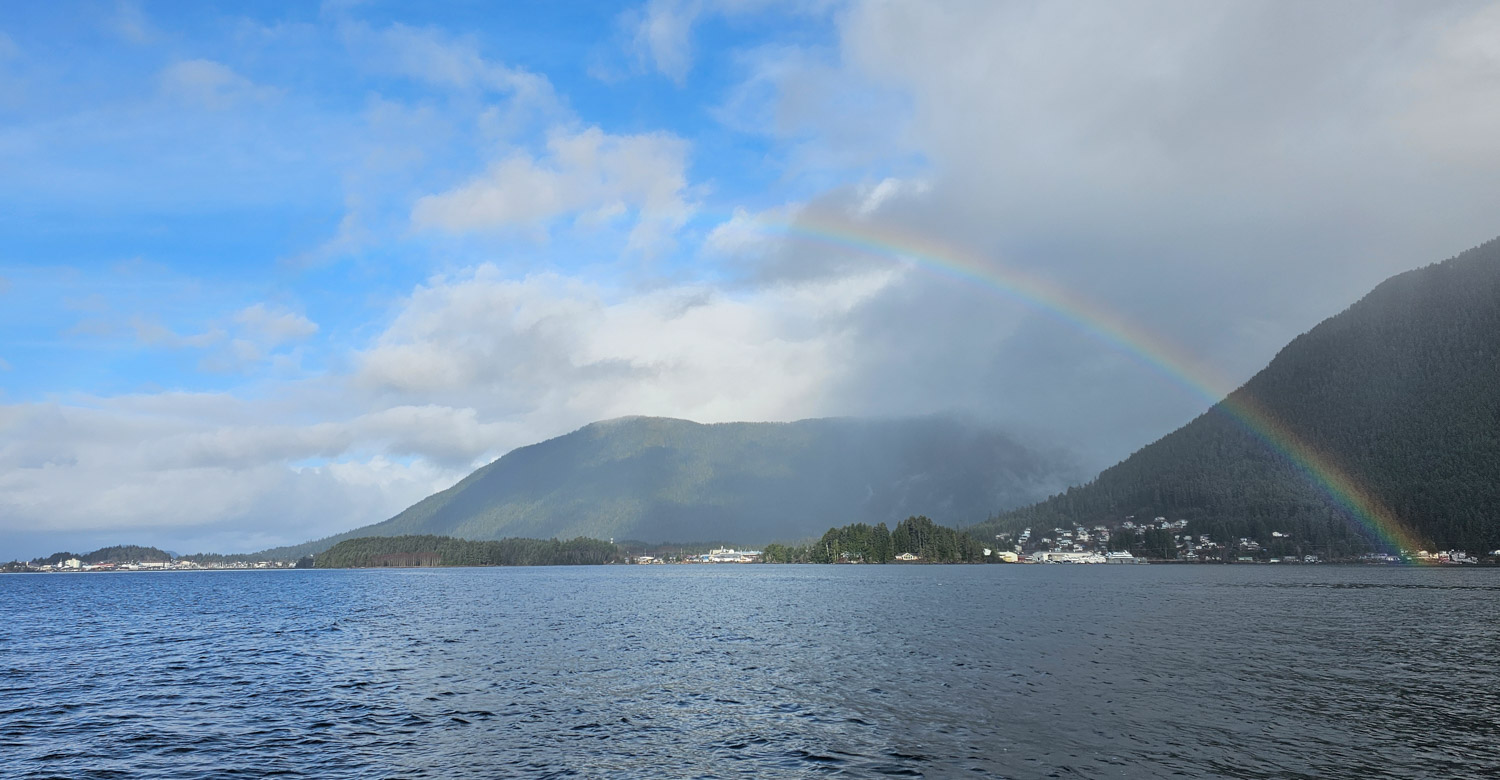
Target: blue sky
x=172, y=163
x=270, y=271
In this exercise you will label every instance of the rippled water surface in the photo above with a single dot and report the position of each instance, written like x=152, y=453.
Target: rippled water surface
x=762, y=671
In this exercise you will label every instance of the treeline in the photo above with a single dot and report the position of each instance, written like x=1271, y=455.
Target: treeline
x=863, y=543
x=381, y=551
x=1398, y=392
x=120, y=553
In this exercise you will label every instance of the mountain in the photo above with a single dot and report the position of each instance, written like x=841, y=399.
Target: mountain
x=664, y=480
x=1401, y=390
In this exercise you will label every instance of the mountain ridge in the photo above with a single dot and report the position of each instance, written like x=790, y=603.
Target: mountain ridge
x=660, y=479
x=1398, y=389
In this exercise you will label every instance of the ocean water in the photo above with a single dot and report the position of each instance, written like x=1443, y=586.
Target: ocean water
x=754, y=671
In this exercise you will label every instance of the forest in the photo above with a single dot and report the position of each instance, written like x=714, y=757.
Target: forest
x=120, y=553
x=406, y=551
x=863, y=543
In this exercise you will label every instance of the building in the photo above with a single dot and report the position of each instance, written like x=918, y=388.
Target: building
x=1068, y=557
x=906, y=556
x=730, y=555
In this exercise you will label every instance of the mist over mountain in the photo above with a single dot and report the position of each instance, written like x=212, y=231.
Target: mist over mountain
x=1401, y=390
x=662, y=480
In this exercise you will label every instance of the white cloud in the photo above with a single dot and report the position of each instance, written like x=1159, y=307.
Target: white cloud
x=255, y=336
x=742, y=234
x=187, y=466
x=458, y=107
x=130, y=23
x=590, y=175
x=663, y=34
x=274, y=326
x=443, y=60
x=831, y=122
x=555, y=352
x=211, y=85
x=455, y=65
x=872, y=198
x=155, y=334
x=779, y=245
x=473, y=366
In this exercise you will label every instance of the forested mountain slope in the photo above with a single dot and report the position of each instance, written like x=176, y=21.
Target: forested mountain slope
x=666, y=480
x=1402, y=390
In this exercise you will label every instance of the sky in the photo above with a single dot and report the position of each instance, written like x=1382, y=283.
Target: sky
x=271, y=271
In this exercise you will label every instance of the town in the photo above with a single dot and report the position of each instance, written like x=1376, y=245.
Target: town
x=181, y=564
x=1162, y=540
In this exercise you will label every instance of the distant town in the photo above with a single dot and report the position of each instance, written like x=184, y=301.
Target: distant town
x=738, y=556
x=1131, y=541
x=716, y=555
x=1162, y=540
x=77, y=565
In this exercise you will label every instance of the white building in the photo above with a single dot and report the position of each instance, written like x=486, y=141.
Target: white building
x=1067, y=557
x=730, y=555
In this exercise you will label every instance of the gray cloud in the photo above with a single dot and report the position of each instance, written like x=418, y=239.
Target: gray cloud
x=191, y=467
x=1222, y=175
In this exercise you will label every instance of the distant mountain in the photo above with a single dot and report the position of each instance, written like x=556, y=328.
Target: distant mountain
x=1402, y=389
x=122, y=553
x=664, y=480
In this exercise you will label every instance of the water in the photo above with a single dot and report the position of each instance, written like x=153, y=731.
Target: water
x=759, y=671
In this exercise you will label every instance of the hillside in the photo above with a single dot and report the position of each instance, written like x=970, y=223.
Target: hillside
x=862, y=543
x=120, y=553
x=659, y=480
x=1402, y=389
x=403, y=551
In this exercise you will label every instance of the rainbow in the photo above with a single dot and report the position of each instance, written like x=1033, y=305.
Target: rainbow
x=1381, y=525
